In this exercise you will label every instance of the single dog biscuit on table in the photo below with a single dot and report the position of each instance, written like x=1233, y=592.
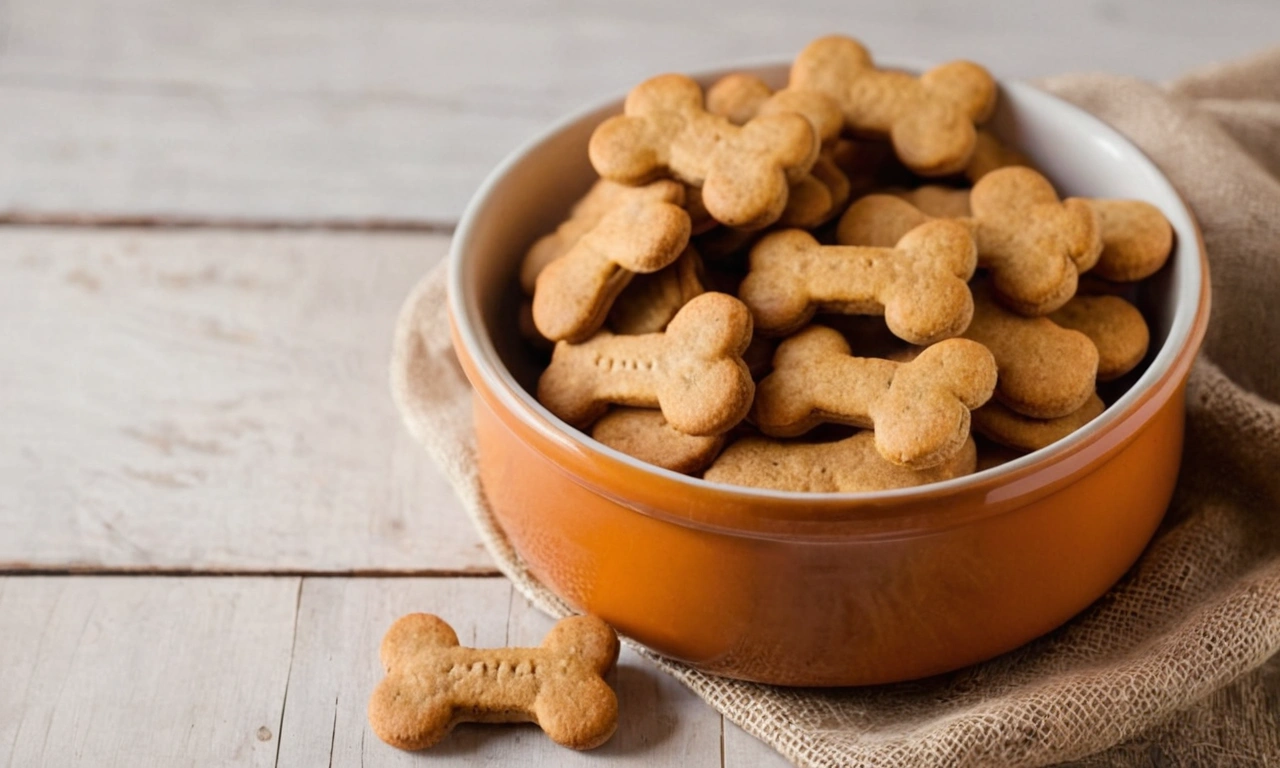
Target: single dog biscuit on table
x=1044, y=370
x=649, y=301
x=644, y=434
x=693, y=371
x=919, y=284
x=1010, y=428
x=1136, y=239
x=919, y=410
x=992, y=154
x=1115, y=327
x=573, y=294
x=1034, y=245
x=851, y=465
x=603, y=197
x=433, y=683
x=929, y=119
x=745, y=172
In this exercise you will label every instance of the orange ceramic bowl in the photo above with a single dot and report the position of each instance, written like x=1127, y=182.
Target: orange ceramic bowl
x=825, y=589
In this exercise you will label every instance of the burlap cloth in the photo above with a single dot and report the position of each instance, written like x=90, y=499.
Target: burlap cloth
x=1170, y=667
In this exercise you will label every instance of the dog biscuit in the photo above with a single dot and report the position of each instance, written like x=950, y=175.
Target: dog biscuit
x=1034, y=245
x=644, y=434
x=740, y=98
x=433, y=683
x=1115, y=327
x=649, y=301
x=573, y=294
x=851, y=465
x=745, y=172
x=930, y=119
x=603, y=197
x=1136, y=239
x=919, y=410
x=1010, y=428
x=1044, y=371
x=919, y=285
x=693, y=371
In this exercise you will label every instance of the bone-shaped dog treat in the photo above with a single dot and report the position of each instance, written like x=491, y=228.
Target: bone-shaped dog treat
x=1045, y=371
x=744, y=172
x=603, y=197
x=573, y=294
x=646, y=435
x=433, y=683
x=929, y=119
x=1136, y=239
x=1008, y=427
x=1034, y=245
x=693, y=372
x=846, y=466
x=919, y=410
x=918, y=285
x=1115, y=327
x=649, y=302
x=741, y=97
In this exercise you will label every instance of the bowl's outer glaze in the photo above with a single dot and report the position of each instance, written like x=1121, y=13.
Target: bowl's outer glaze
x=831, y=589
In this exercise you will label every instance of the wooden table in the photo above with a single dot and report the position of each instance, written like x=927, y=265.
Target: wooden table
x=209, y=214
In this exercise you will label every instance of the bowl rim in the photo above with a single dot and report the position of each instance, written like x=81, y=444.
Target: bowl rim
x=1186, y=330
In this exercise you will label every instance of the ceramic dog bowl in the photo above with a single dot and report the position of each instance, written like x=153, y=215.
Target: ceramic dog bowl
x=825, y=589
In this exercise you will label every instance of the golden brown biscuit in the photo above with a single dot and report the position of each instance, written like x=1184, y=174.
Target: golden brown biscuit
x=1010, y=428
x=603, y=197
x=1045, y=371
x=919, y=410
x=929, y=119
x=649, y=302
x=741, y=98
x=745, y=172
x=432, y=683
x=1137, y=239
x=1034, y=245
x=1115, y=327
x=918, y=285
x=644, y=434
x=573, y=294
x=846, y=466
x=693, y=371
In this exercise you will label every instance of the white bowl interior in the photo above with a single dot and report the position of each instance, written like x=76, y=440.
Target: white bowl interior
x=533, y=189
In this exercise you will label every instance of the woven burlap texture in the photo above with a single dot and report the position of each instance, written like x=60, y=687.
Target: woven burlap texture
x=1165, y=668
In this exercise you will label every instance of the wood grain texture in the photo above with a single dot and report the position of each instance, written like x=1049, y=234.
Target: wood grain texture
x=213, y=401
x=125, y=672
x=352, y=110
x=335, y=667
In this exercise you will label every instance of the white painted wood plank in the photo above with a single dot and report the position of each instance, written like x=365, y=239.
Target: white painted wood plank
x=143, y=671
x=742, y=750
x=203, y=400
x=394, y=109
x=335, y=668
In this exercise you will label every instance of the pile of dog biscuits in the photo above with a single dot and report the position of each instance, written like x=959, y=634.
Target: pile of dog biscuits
x=827, y=287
